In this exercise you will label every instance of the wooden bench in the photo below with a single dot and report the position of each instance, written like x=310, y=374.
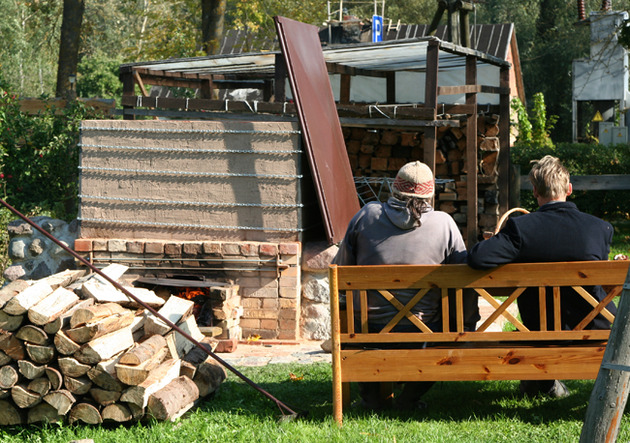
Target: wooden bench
x=457, y=355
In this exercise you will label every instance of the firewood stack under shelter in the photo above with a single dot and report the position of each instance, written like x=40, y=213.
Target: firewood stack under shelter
x=73, y=347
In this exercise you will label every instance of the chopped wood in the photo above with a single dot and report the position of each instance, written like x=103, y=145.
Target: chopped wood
x=63, y=321
x=173, y=310
x=4, y=359
x=40, y=385
x=144, y=351
x=178, y=345
x=209, y=376
x=147, y=296
x=105, y=347
x=135, y=374
x=33, y=334
x=72, y=367
x=139, y=321
x=10, y=415
x=5, y=393
x=137, y=412
x=64, y=344
x=113, y=271
x=64, y=278
x=11, y=290
x=62, y=400
x=85, y=413
x=11, y=346
x=40, y=354
x=52, y=306
x=104, y=397
x=43, y=413
x=197, y=355
x=93, y=313
x=24, y=398
x=92, y=330
x=30, y=370
x=187, y=369
x=9, y=376
x=78, y=386
x=174, y=399
x=104, y=375
x=159, y=377
x=118, y=413
x=56, y=380
x=211, y=331
x=19, y=304
x=10, y=322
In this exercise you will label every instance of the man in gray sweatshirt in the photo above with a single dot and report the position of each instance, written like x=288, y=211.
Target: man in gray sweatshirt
x=405, y=230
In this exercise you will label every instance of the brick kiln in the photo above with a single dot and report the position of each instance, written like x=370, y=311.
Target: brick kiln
x=226, y=201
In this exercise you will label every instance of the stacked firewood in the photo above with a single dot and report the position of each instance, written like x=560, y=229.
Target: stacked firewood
x=75, y=348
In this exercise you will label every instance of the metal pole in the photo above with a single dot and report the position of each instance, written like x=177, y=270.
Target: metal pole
x=610, y=392
x=283, y=407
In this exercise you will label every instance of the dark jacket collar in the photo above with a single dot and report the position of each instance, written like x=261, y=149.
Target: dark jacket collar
x=553, y=206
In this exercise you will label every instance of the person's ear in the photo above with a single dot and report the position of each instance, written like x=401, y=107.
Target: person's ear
x=535, y=192
x=570, y=191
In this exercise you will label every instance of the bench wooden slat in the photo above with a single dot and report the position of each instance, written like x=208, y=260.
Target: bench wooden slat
x=462, y=276
x=528, y=363
x=456, y=337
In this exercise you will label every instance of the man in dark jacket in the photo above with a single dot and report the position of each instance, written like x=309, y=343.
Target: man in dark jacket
x=558, y=231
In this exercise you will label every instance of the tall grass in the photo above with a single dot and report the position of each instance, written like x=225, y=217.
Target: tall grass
x=458, y=412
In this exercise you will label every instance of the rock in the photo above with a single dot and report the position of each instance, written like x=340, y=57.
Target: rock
x=17, y=249
x=12, y=273
x=316, y=324
x=315, y=288
x=317, y=256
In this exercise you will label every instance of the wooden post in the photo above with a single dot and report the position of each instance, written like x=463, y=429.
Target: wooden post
x=472, y=219
x=336, y=346
x=391, y=87
x=280, y=76
x=344, y=89
x=430, y=101
x=610, y=392
x=504, y=140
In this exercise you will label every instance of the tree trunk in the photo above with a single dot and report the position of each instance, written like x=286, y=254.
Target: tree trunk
x=212, y=19
x=69, y=47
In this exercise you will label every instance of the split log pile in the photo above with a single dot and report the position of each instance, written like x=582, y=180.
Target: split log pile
x=73, y=347
x=381, y=153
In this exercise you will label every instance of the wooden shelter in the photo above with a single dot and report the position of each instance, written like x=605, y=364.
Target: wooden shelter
x=445, y=95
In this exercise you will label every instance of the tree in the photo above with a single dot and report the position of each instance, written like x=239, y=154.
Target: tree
x=212, y=20
x=69, y=47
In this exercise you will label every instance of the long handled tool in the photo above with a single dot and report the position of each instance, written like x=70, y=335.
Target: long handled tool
x=286, y=411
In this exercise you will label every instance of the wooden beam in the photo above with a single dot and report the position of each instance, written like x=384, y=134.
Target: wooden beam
x=430, y=100
x=472, y=219
x=504, y=141
x=469, y=89
x=336, y=68
x=391, y=87
x=344, y=88
x=280, y=77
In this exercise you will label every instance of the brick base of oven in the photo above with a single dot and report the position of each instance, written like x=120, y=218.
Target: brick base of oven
x=267, y=274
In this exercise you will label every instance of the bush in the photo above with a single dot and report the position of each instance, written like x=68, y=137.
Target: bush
x=39, y=157
x=582, y=159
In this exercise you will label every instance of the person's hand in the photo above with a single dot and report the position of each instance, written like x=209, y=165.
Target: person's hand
x=487, y=234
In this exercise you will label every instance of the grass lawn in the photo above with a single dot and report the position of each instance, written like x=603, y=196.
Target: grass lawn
x=621, y=238
x=458, y=412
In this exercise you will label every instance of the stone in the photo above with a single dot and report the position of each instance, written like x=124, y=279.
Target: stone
x=17, y=249
x=315, y=289
x=14, y=272
x=18, y=227
x=317, y=256
x=41, y=270
x=315, y=321
x=36, y=247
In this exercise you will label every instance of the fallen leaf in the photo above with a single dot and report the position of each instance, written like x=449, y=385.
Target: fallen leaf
x=254, y=337
x=294, y=377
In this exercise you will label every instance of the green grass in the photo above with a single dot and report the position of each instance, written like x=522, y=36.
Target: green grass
x=621, y=238
x=458, y=412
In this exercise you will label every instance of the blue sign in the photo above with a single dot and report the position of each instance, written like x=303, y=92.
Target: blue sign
x=377, y=28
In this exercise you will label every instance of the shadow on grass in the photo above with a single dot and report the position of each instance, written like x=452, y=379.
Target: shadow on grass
x=310, y=389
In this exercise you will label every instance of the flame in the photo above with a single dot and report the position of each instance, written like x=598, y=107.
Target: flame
x=191, y=293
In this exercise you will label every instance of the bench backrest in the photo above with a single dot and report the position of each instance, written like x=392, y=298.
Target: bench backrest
x=510, y=279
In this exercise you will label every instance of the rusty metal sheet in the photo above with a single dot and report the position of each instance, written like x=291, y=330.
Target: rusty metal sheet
x=321, y=129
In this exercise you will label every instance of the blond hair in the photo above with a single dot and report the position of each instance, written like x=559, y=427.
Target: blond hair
x=550, y=178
